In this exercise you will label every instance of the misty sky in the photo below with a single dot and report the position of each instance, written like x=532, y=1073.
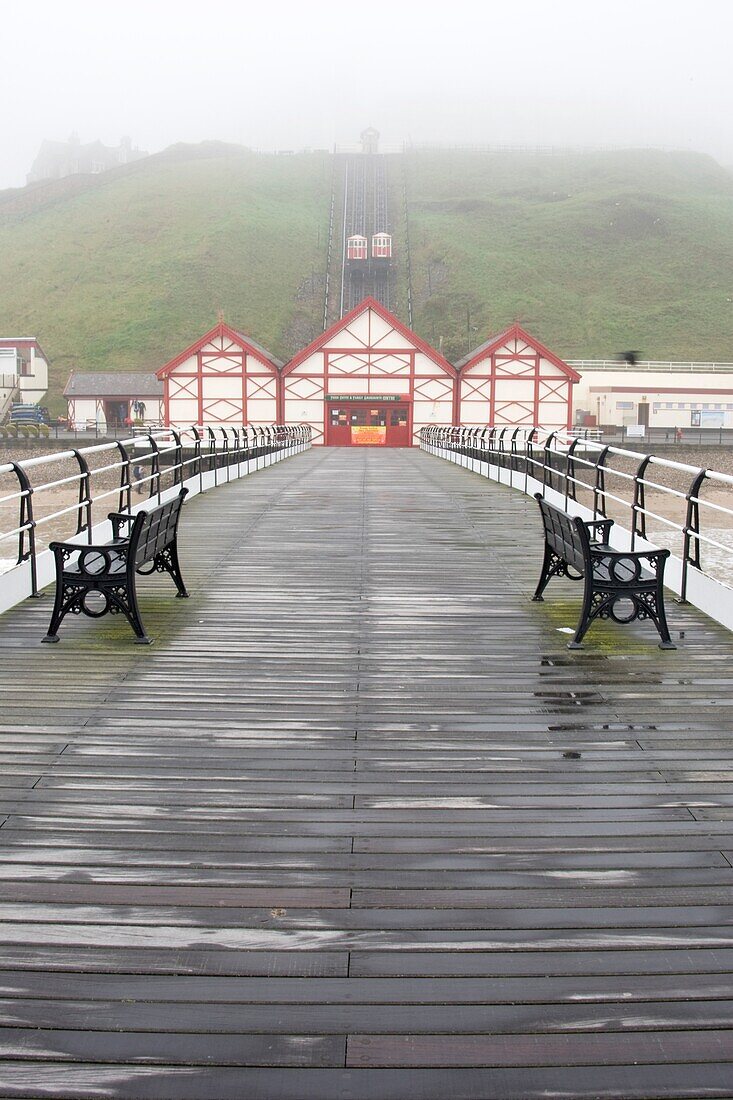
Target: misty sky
x=292, y=75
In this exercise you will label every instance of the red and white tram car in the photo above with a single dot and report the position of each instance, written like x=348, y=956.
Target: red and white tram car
x=356, y=247
x=382, y=246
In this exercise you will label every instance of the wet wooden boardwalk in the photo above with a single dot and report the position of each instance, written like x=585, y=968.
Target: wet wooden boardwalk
x=323, y=841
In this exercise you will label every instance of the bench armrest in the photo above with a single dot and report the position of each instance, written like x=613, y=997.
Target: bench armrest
x=604, y=525
x=62, y=551
x=604, y=561
x=635, y=555
x=73, y=546
x=117, y=519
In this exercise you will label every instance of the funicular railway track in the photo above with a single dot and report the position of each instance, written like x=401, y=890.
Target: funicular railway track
x=365, y=214
x=381, y=273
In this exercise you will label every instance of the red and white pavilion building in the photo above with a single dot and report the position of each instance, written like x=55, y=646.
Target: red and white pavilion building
x=368, y=380
x=222, y=378
x=513, y=379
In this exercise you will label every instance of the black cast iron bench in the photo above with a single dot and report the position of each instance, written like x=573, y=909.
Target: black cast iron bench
x=622, y=585
x=94, y=580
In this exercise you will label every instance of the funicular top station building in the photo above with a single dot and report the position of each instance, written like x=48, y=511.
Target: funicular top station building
x=368, y=380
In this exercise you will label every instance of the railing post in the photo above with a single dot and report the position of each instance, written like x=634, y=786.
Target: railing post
x=178, y=458
x=85, y=497
x=26, y=525
x=125, y=501
x=599, y=489
x=513, y=456
x=638, y=515
x=691, y=542
x=154, y=468
x=547, y=469
x=530, y=459
x=238, y=451
x=570, y=486
x=197, y=460
x=213, y=455
x=225, y=450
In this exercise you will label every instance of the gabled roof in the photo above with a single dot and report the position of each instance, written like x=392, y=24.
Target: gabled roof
x=223, y=330
x=514, y=331
x=104, y=383
x=370, y=303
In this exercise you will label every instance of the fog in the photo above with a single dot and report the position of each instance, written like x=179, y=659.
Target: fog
x=294, y=75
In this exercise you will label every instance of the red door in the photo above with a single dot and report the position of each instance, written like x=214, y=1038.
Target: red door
x=367, y=424
x=338, y=425
x=398, y=426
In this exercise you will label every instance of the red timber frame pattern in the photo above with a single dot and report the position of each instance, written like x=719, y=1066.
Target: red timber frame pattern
x=369, y=351
x=220, y=379
x=516, y=380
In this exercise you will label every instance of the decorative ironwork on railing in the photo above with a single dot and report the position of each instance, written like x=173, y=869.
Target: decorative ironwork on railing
x=71, y=491
x=654, y=501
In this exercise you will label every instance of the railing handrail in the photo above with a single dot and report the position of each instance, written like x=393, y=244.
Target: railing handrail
x=188, y=452
x=652, y=365
x=558, y=460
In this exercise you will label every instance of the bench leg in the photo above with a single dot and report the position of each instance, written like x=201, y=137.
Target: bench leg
x=550, y=564
x=56, y=615
x=68, y=598
x=660, y=620
x=167, y=561
x=124, y=600
x=590, y=609
x=600, y=604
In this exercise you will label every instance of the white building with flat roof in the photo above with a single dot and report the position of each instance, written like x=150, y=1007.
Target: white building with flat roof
x=654, y=394
x=23, y=372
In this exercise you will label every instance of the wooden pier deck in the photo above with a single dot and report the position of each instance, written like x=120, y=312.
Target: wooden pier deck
x=324, y=841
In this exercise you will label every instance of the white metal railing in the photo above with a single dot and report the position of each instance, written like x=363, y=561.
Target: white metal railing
x=103, y=478
x=650, y=365
x=655, y=501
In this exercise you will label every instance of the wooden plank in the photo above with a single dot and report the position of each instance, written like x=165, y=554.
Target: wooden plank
x=146, y=1048
x=539, y=1050
x=538, y=964
x=220, y=963
x=653, y=1018
x=23, y=1080
x=534, y=989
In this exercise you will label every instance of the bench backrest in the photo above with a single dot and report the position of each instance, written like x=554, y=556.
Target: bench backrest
x=156, y=529
x=567, y=535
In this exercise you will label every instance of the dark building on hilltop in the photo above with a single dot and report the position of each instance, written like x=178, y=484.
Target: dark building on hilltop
x=57, y=159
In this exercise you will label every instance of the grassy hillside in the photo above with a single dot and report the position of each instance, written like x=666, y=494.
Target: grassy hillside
x=120, y=271
x=595, y=253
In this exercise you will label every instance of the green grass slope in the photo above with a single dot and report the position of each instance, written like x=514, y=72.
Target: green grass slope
x=123, y=270
x=595, y=253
